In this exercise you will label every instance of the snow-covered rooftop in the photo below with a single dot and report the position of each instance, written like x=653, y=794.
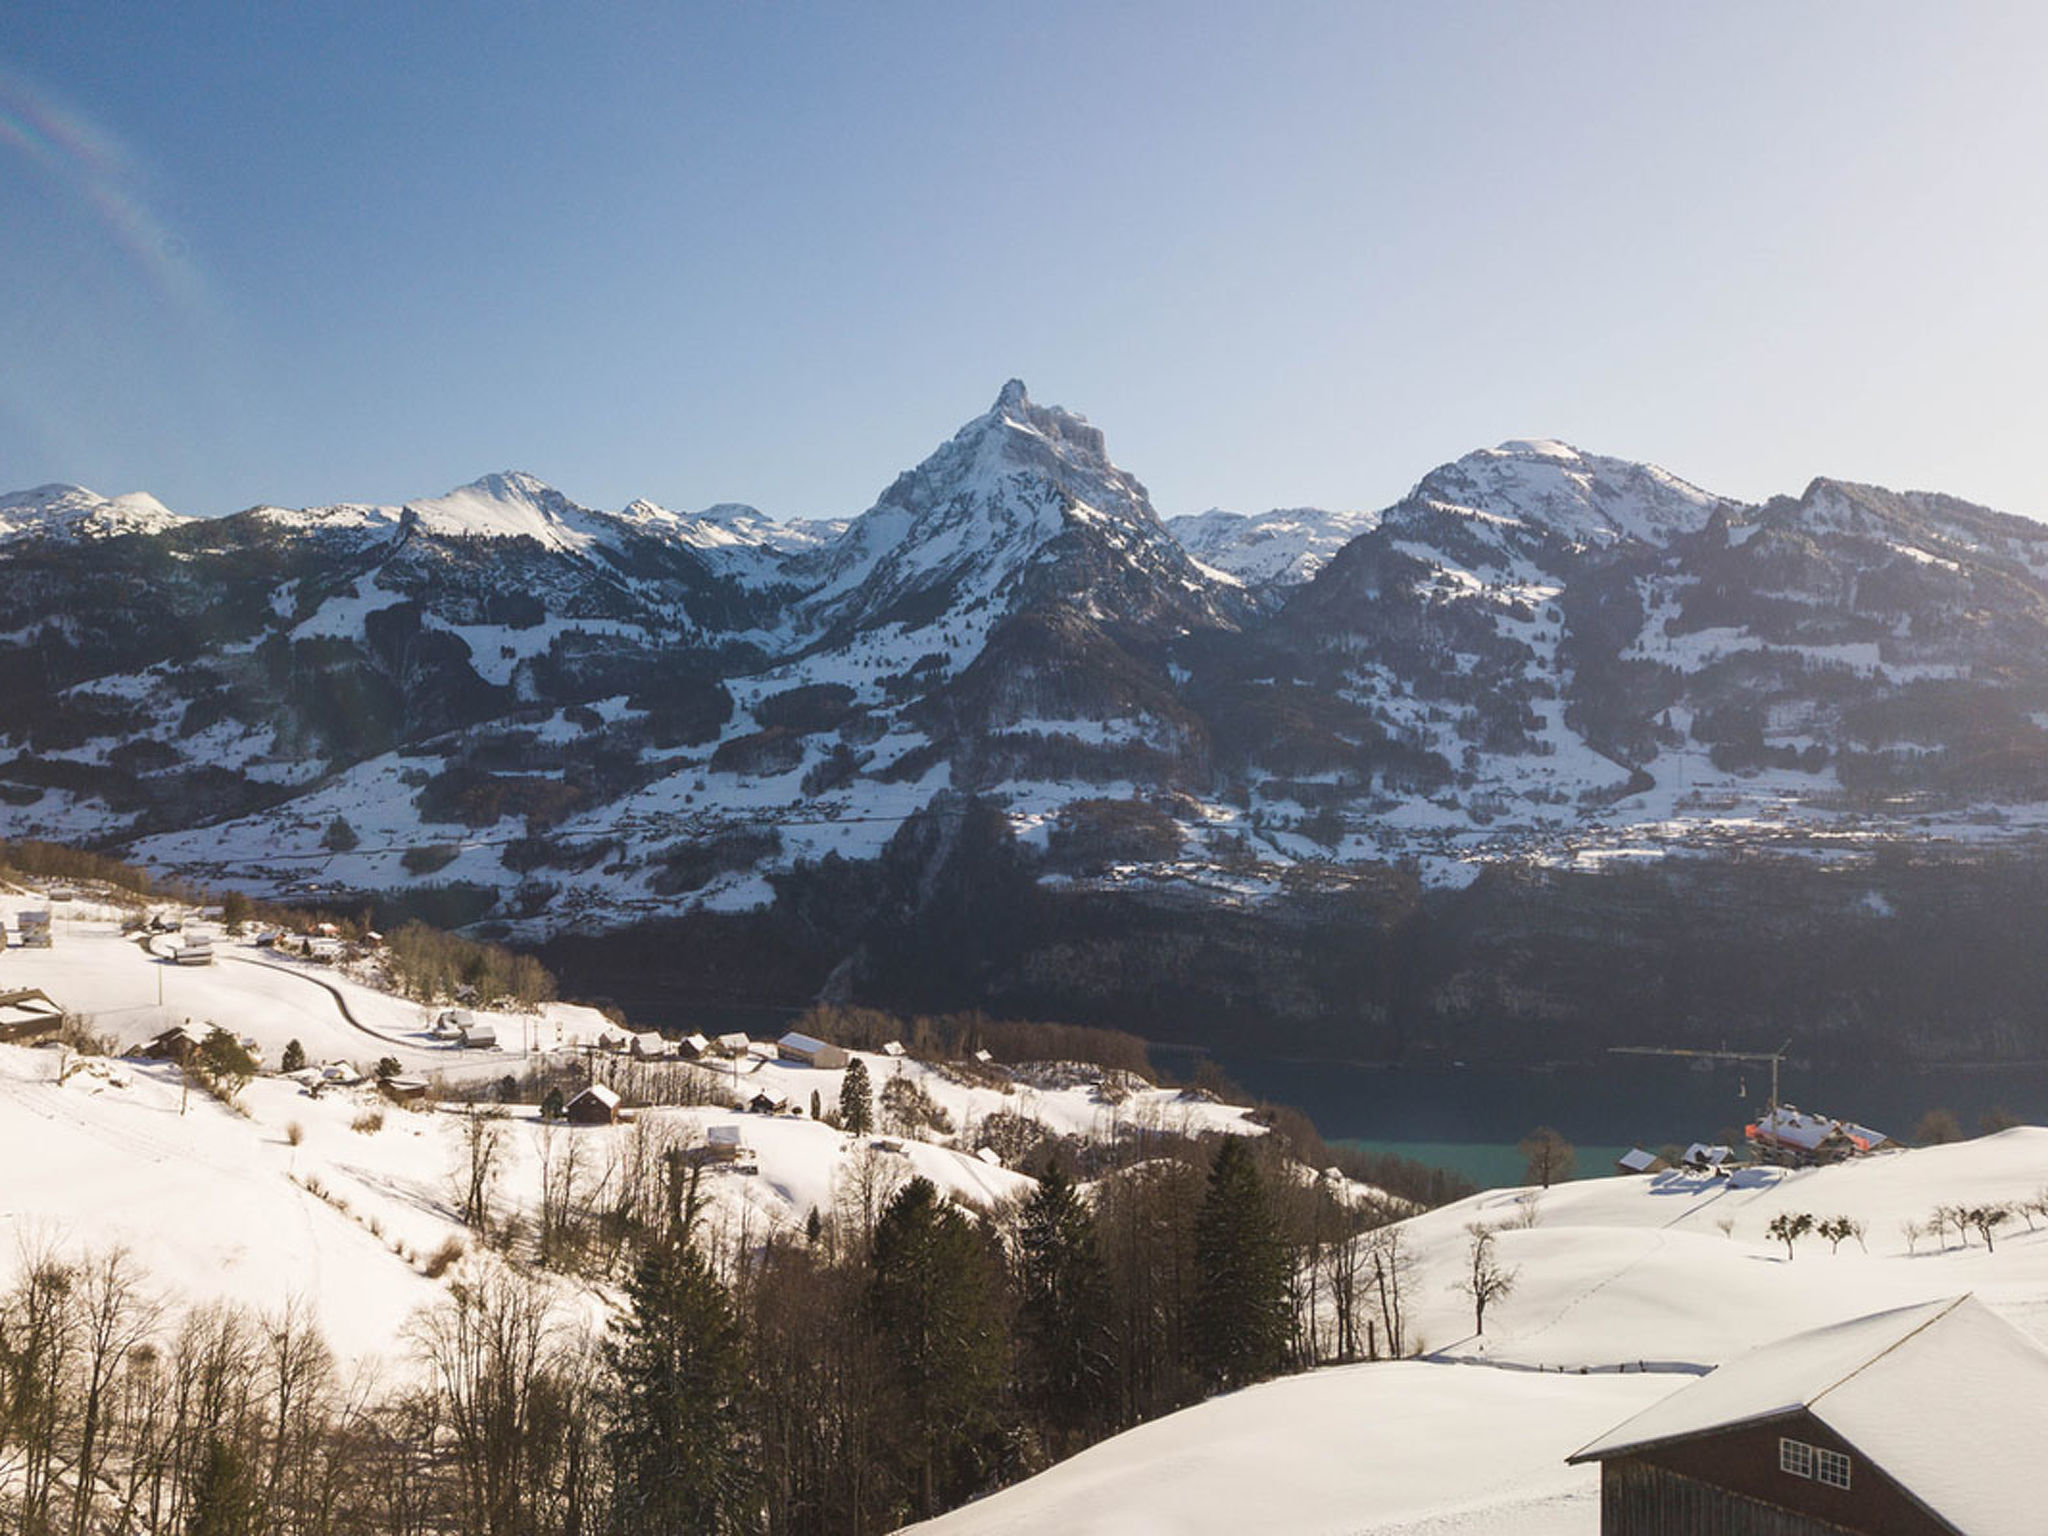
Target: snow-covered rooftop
x=1949, y=1399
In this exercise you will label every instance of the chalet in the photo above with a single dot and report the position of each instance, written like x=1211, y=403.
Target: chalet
x=595, y=1105
x=450, y=1023
x=769, y=1102
x=175, y=1044
x=480, y=1034
x=1636, y=1160
x=693, y=1047
x=810, y=1050
x=28, y=1017
x=1924, y=1421
x=327, y=948
x=403, y=1090
x=650, y=1044
x=34, y=929
x=195, y=949
x=1703, y=1158
x=733, y=1045
x=1784, y=1131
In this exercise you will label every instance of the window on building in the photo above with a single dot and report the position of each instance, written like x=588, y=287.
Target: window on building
x=1832, y=1468
x=1796, y=1457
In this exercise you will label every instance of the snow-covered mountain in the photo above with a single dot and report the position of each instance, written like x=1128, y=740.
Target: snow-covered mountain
x=1538, y=654
x=73, y=512
x=1269, y=550
x=1022, y=505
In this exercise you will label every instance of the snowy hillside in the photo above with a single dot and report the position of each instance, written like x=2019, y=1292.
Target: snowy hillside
x=1624, y=1289
x=339, y=1198
x=1635, y=1280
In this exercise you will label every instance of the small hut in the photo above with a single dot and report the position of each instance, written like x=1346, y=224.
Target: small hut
x=595, y=1105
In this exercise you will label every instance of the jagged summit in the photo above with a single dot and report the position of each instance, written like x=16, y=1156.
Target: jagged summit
x=974, y=522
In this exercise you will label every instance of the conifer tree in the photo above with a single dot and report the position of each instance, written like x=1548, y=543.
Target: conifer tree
x=934, y=1310
x=294, y=1057
x=678, y=1441
x=1241, y=1275
x=226, y=1499
x=1069, y=1370
x=856, y=1100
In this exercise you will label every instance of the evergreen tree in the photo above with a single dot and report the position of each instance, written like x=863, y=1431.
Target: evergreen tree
x=553, y=1105
x=934, y=1309
x=226, y=1497
x=1069, y=1369
x=856, y=1100
x=678, y=1446
x=1241, y=1275
x=294, y=1057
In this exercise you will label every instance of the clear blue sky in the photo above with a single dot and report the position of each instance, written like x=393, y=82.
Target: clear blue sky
x=1282, y=254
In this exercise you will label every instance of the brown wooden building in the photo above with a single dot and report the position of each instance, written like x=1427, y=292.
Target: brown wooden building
x=595, y=1105
x=28, y=1017
x=1926, y=1421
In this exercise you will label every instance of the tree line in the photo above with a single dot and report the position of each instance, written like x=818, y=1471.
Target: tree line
x=890, y=1358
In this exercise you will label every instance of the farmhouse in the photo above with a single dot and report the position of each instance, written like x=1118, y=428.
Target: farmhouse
x=735, y=1044
x=28, y=1017
x=175, y=1044
x=809, y=1050
x=595, y=1105
x=650, y=1044
x=1924, y=1421
x=480, y=1034
x=1785, y=1131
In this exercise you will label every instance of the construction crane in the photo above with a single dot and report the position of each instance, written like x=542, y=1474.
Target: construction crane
x=1773, y=1057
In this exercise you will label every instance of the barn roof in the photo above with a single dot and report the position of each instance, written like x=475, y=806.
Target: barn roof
x=1948, y=1398
x=598, y=1093
x=795, y=1040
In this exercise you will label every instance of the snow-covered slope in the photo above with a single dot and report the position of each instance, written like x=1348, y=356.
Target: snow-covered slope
x=1625, y=1291
x=73, y=512
x=1584, y=498
x=1278, y=549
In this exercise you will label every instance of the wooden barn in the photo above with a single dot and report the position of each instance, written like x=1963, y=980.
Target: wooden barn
x=810, y=1050
x=28, y=1016
x=595, y=1105
x=1924, y=1421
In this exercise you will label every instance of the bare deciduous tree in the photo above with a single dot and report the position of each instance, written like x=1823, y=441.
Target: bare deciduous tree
x=1486, y=1280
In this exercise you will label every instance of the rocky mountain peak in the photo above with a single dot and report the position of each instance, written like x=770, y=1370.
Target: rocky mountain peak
x=1550, y=487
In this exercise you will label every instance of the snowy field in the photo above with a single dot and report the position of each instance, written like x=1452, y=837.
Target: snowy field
x=1626, y=1289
